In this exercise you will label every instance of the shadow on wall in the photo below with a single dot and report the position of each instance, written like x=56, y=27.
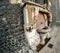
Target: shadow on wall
x=11, y=27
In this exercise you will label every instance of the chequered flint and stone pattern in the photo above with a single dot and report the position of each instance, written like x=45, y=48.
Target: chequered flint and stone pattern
x=12, y=38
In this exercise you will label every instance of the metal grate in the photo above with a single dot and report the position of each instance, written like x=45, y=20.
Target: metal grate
x=50, y=45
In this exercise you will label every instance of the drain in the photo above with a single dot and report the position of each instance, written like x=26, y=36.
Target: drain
x=50, y=45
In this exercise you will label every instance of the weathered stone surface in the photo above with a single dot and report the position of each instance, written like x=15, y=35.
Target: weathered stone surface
x=12, y=37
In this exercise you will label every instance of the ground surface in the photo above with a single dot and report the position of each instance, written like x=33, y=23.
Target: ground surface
x=55, y=41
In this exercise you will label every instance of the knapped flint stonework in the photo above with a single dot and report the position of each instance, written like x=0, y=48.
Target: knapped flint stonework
x=12, y=38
